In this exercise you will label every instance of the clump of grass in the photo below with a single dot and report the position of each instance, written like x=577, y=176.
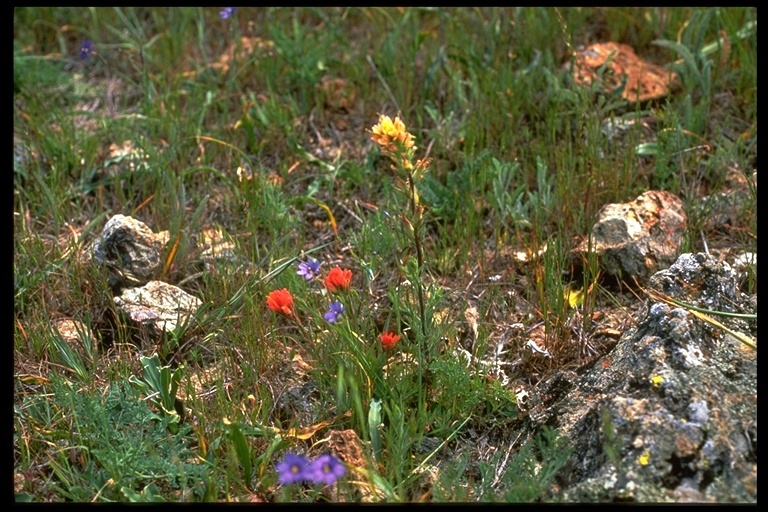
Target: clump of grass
x=111, y=446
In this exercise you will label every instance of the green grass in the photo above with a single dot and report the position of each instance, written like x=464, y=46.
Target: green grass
x=260, y=125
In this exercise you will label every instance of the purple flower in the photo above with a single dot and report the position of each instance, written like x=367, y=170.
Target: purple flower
x=86, y=49
x=292, y=469
x=335, y=309
x=227, y=12
x=309, y=268
x=325, y=469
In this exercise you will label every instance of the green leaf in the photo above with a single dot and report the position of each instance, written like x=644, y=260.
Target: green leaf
x=70, y=358
x=161, y=384
x=647, y=149
x=23, y=497
x=243, y=452
x=701, y=78
x=374, y=421
x=680, y=49
x=149, y=494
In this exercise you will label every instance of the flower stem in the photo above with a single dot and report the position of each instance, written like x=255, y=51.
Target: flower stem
x=419, y=253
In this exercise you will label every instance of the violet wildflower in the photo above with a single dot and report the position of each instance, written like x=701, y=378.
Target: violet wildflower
x=227, y=12
x=325, y=469
x=308, y=269
x=292, y=469
x=86, y=49
x=335, y=310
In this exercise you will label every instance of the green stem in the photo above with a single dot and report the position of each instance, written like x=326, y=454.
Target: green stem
x=419, y=253
x=416, y=226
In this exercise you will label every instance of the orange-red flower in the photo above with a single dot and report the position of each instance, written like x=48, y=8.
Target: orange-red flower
x=338, y=279
x=389, y=339
x=392, y=135
x=280, y=301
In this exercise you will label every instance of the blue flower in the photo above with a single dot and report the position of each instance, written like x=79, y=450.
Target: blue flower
x=309, y=268
x=227, y=12
x=335, y=309
x=325, y=469
x=292, y=469
x=86, y=49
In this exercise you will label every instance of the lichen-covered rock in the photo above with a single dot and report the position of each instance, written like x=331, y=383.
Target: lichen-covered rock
x=632, y=240
x=670, y=414
x=699, y=278
x=158, y=306
x=131, y=250
x=731, y=206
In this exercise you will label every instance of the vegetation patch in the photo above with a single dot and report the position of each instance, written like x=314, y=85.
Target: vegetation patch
x=392, y=228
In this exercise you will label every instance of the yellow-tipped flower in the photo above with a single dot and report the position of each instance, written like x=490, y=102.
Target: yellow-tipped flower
x=392, y=135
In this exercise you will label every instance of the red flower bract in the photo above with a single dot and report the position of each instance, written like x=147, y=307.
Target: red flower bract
x=389, y=339
x=280, y=301
x=338, y=279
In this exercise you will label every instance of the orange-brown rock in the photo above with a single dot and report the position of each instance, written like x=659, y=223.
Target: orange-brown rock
x=644, y=80
x=634, y=239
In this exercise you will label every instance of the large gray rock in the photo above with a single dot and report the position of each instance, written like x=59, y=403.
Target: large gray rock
x=131, y=251
x=670, y=414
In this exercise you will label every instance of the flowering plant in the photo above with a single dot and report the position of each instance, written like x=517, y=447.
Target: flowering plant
x=335, y=309
x=86, y=49
x=309, y=269
x=280, y=301
x=389, y=339
x=325, y=469
x=227, y=12
x=397, y=144
x=338, y=280
x=392, y=136
x=292, y=469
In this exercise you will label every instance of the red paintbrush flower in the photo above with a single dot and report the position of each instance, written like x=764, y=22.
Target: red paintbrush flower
x=389, y=339
x=280, y=301
x=338, y=279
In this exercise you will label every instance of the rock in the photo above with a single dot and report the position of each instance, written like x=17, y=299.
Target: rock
x=300, y=403
x=633, y=239
x=701, y=280
x=616, y=129
x=352, y=451
x=610, y=64
x=158, y=306
x=125, y=158
x=670, y=414
x=731, y=206
x=745, y=262
x=130, y=249
x=216, y=250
